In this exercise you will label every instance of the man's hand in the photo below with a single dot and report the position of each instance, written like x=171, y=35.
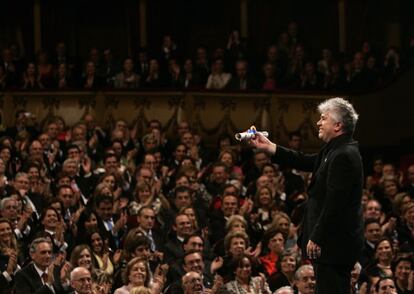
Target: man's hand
x=313, y=250
x=263, y=143
x=216, y=264
x=121, y=222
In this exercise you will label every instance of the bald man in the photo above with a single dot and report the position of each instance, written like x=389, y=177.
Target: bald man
x=81, y=280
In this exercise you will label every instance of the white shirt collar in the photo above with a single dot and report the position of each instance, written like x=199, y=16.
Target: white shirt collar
x=39, y=271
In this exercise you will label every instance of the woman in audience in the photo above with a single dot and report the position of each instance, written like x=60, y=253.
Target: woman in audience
x=281, y=221
x=31, y=78
x=82, y=256
x=403, y=275
x=243, y=282
x=8, y=243
x=101, y=254
x=286, y=266
x=264, y=205
x=137, y=273
x=384, y=254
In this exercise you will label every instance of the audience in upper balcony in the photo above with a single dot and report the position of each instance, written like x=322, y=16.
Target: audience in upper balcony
x=286, y=64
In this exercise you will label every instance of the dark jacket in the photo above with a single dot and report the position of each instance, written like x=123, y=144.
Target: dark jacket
x=27, y=281
x=333, y=214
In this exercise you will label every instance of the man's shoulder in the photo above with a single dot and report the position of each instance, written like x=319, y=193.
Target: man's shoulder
x=27, y=269
x=26, y=273
x=346, y=149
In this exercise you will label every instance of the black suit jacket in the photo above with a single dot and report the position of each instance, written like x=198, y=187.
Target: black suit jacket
x=333, y=214
x=27, y=280
x=235, y=84
x=173, y=250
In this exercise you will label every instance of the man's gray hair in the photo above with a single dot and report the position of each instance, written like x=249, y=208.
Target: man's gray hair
x=36, y=242
x=4, y=201
x=20, y=174
x=341, y=111
x=299, y=271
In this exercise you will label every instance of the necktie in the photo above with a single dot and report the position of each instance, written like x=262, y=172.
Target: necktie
x=44, y=277
x=149, y=236
x=110, y=225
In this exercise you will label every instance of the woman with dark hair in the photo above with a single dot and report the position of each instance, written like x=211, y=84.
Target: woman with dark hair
x=31, y=78
x=6, y=154
x=88, y=221
x=38, y=184
x=384, y=254
x=243, y=282
x=51, y=222
x=99, y=245
x=403, y=275
x=273, y=245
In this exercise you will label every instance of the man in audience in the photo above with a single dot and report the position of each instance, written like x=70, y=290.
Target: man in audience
x=81, y=280
x=305, y=279
x=38, y=276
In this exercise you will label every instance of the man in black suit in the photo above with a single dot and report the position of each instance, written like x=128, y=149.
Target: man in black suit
x=241, y=81
x=174, y=247
x=332, y=230
x=37, y=277
x=146, y=221
x=372, y=234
